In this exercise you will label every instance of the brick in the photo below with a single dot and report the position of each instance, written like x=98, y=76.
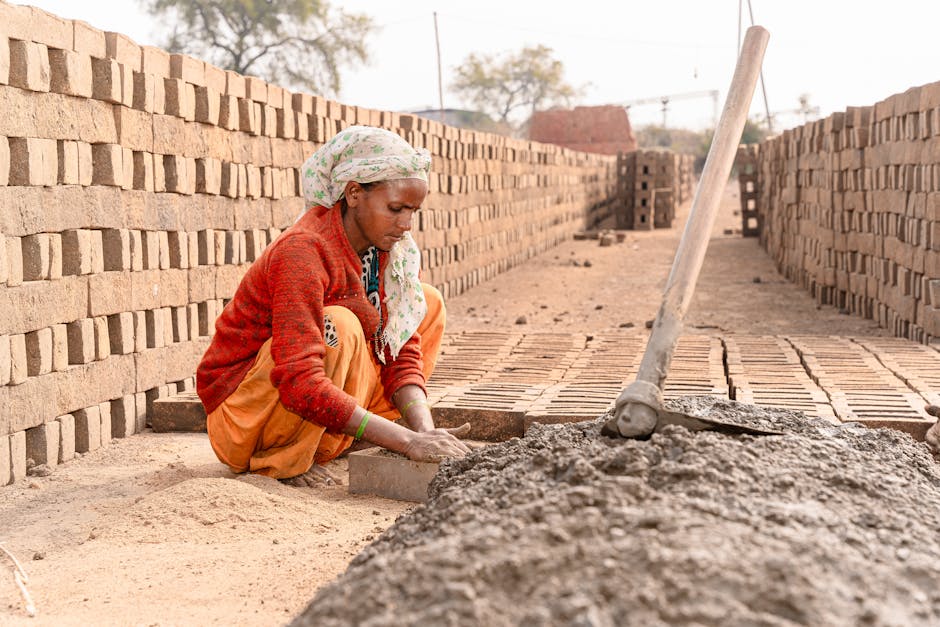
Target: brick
x=79, y=252
x=107, y=82
x=140, y=331
x=121, y=333
x=42, y=444
x=60, y=347
x=4, y=161
x=39, y=352
x=81, y=341
x=29, y=65
x=178, y=244
x=86, y=164
x=144, y=92
x=180, y=99
x=188, y=69
x=180, y=174
x=4, y=67
x=5, y=473
x=123, y=416
x=108, y=164
x=389, y=475
x=249, y=116
x=207, y=105
x=88, y=40
x=104, y=409
x=87, y=429
x=70, y=73
x=17, y=456
x=39, y=304
x=182, y=412
x=143, y=171
x=154, y=326
x=208, y=176
x=256, y=89
x=5, y=357
x=33, y=161
x=127, y=170
x=19, y=368
x=122, y=49
x=102, y=338
x=178, y=321
x=55, y=116
x=151, y=249
x=67, y=162
x=228, y=113
x=66, y=437
x=36, y=257
x=116, y=249
x=155, y=61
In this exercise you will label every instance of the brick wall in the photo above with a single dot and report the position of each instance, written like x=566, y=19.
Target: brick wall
x=603, y=130
x=137, y=186
x=849, y=207
x=652, y=184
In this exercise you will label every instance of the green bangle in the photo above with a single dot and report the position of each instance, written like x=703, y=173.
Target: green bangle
x=423, y=401
x=362, y=427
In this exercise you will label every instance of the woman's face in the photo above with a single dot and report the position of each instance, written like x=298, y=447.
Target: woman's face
x=381, y=215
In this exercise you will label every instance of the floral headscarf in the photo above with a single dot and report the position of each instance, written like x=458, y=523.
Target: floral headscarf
x=365, y=154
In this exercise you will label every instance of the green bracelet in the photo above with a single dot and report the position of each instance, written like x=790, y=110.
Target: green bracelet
x=362, y=427
x=423, y=401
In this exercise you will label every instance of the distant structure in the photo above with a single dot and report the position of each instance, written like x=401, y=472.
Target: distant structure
x=462, y=118
x=603, y=130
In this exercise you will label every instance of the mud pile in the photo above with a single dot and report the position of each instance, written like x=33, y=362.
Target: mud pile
x=825, y=525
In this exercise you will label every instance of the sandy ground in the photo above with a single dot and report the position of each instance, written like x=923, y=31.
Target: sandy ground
x=152, y=530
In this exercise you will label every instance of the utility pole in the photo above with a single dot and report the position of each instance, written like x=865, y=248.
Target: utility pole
x=763, y=87
x=440, y=81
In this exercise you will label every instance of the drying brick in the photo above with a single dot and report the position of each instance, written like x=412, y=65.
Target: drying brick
x=67, y=162
x=87, y=429
x=66, y=437
x=81, y=340
x=29, y=65
x=106, y=80
x=70, y=73
x=36, y=250
x=42, y=444
x=17, y=456
x=39, y=352
x=19, y=368
x=60, y=347
x=33, y=161
x=4, y=460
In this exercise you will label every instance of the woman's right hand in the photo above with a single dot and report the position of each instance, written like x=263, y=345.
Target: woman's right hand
x=437, y=444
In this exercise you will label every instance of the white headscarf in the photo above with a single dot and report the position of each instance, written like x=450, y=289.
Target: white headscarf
x=365, y=154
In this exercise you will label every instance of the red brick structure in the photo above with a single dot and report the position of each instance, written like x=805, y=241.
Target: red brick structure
x=604, y=130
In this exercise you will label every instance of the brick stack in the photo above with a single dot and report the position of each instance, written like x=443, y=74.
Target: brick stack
x=651, y=184
x=850, y=207
x=746, y=164
x=136, y=187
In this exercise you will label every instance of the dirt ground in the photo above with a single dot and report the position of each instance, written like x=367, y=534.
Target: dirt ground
x=152, y=530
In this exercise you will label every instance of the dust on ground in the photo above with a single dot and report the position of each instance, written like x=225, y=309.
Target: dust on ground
x=153, y=530
x=825, y=525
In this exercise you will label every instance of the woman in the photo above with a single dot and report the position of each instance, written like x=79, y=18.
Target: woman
x=330, y=336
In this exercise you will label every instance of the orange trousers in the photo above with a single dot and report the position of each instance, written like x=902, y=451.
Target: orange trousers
x=251, y=431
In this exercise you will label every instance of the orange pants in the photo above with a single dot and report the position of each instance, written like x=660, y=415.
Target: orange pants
x=252, y=431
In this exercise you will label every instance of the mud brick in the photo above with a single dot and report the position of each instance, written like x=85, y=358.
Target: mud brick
x=180, y=174
x=122, y=49
x=127, y=169
x=389, y=475
x=4, y=68
x=178, y=243
x=33, y=161
x=4, y=162
x=66, y=437
x=79, y=251
x=220, y=239
x=5, y=473
x=249, y=116
x=228, y=181
x=5, y=365
x=104, y=410
x=29, y=65
x=88, y=40
x=17, y=456
x=121, y=333
x=150, y=241
x=182, y=412
x=107, y=164
x=42, y=444
x=60, y=347
x=228, y=113
x=19, y=368
x=107, y=82
x=123, y=416
x=86, y=164
x=70, y=73
x=179, y=321
x=208, y=176
x=140, y=331
x=67, y=162
x=253, y=181
x=256, y=89
x=188, y=69
x=39, y=352
x=268, y=121
x=234, y=84
x=143, y=171
x=102, y=338
x=36, y=257
x=81, y=341
x=163, y=250
x=180, y=99
x=215, y=78
x=208, y=104
x=144, y=92
x=154, y=328
x=206, y=242
x=87, y=429
x=116, y=249
x=285, y=123
x=192, y=320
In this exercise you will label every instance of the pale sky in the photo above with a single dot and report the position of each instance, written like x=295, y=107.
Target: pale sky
x=840, y=52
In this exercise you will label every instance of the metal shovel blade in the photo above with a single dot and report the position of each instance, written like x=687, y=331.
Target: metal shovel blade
x=700, y=423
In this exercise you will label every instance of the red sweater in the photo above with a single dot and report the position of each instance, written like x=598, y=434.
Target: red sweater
x=310, y=266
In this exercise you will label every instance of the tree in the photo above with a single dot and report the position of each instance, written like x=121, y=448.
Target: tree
x=294, y=43
x=529, y=79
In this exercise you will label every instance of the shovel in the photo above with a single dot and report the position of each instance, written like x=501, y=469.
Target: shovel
x=639, y=409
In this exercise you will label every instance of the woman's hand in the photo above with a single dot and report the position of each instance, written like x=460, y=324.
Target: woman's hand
x=437, y=444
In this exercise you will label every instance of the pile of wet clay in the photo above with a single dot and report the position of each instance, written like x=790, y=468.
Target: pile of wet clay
x=824, y=525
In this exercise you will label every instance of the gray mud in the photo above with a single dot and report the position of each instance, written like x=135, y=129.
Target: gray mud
x=825, y=525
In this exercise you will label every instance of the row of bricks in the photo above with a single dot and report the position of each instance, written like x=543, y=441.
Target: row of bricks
x=55, y=348
x=59, y=440
x=90, y=251
x=921, y=178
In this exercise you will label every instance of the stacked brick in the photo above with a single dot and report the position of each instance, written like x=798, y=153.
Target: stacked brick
x=746, y=164
x=137, y=186
x=850, y=209
x=651, y=185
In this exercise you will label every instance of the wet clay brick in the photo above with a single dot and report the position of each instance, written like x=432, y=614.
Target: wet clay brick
x=389, y=475
x=181, y=412
x=87, y=429
x=66, y=437
x=29, y=65
x=42, y=444
x=70, y=73
x=17, y=456
x=33, y=161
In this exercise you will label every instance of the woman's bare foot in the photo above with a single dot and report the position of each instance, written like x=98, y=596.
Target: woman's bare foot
x=933, y=435
x=316, y=476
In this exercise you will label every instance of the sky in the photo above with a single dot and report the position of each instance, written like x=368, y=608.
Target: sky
x=839, y=52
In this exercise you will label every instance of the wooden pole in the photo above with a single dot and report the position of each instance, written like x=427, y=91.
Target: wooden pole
x=440, y=81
